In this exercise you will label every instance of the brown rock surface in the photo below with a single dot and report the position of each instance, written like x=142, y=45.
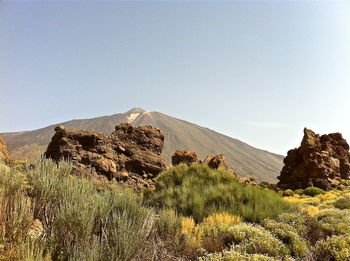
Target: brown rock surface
x=189, y=157
x=247, y=181
x=134, y=151
x=319, y=162
x=184, y=156
x=3, y=148
x=216, y=162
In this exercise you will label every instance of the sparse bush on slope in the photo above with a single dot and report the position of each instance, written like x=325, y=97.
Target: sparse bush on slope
x=199, y=191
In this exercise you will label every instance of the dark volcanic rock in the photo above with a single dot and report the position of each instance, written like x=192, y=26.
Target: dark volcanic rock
x=128, y=153
x=184, y=156
x=3, y=148
x=319, y=162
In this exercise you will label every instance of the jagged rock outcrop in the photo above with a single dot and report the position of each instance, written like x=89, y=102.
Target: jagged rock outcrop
x=184, y=156
x=216, y=162
x=320, y=161
x=129, y=154
x=189, y=157
x=3, y=148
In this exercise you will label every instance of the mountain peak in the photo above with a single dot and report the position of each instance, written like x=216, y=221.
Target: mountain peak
x=135, y=110
x=179, y=135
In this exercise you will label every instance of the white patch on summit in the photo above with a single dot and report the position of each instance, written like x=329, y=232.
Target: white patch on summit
x=132, y=117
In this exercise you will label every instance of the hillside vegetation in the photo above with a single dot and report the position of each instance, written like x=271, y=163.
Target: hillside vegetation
x=194, y=213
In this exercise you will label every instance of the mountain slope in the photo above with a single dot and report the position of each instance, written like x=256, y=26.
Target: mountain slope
x=244, y=159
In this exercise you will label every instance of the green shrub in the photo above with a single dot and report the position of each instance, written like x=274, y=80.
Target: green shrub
x=253, y=239
x=288, y=193
x=124, y=224
x=11, y=181
x=16, y=214
x=81, y=223
x=125, y=235
x=299, y=191
x=16, y=218
x=90, y=251
x=313, y=191
x=74, y=222
x=199, y=191
x=168, y=224
x=333, y=248
x=34, y=251
x=236, y=255
x=335, y=221
x=297, y=220
x=48, y=185
x=306, y=227
x=289, y=236
x=342, y=203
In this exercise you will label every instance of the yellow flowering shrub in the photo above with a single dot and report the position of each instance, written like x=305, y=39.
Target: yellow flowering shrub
x=187, y=226
x=328, y=196
x=300, y=200
x=222, y=218
x=311, y=210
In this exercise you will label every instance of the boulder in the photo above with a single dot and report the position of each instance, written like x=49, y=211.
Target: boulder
x=247, y=181
x=3, y=148
x=189, y=157
x=132, y=150
x=320, y=161
x=184, y=156
x=216, y=162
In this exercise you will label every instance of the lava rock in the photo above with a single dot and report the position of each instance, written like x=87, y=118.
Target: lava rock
x=319, y=162
x=128, y=149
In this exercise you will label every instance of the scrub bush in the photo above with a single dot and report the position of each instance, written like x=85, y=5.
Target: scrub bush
x=199, y=191
x=335, y=248
x=342, y=203
x=335, y=221
x=313, y=191
x=289, y=236
x=288, y=193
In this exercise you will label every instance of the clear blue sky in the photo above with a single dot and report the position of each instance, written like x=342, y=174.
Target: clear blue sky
x=258, y=71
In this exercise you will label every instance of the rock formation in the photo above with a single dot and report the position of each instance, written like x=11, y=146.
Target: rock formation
x=184, y=156
x=129, y=154
x=216, y=162
x=247, y=181
x=3, y=148
x=189, y=157
x=319, y=162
